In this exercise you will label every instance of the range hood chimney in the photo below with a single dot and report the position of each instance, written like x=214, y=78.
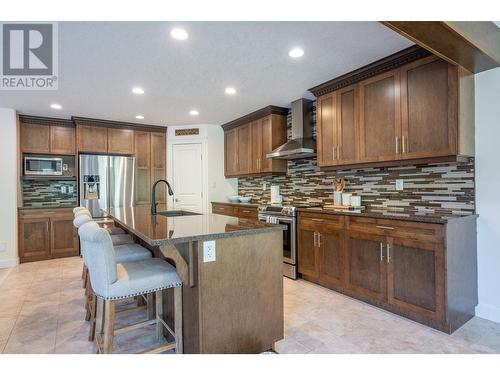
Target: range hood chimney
x=302, y=144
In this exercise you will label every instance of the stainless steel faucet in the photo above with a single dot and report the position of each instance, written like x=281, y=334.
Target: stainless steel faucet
x=153, y=195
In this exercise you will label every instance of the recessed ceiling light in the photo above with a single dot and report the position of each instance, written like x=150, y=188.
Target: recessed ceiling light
x=138, y=90
x=230, y=90
x=194, y=112
x=296, y=52
x=179, y=34
x=56, y=106
x=139, y=117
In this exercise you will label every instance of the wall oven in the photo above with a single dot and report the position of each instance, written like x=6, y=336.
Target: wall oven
x=42, y=166
x=286, y=216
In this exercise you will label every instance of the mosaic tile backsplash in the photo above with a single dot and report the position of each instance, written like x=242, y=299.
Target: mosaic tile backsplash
x=438, y=188
x=48, y=193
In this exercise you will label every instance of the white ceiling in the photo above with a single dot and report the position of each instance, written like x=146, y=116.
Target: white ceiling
x=99, y=63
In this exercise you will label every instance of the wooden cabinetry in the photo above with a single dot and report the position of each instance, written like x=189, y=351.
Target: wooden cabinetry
x=237, y=210
x=120, y=141
x=92, y=138
x=395, y=114
x=159, y=164
x=46, y=234
x=426, y=272
x=247, y=141
x=46, y=135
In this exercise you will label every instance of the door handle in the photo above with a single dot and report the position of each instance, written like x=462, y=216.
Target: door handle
x=381, y=252
x=388, y=253
x=177, y=199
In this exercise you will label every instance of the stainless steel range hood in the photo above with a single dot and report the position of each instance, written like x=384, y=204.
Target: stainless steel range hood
x=302, y=144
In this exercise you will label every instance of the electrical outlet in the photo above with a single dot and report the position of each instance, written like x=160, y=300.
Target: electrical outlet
x=3, y=247
x=400, y=184
x=208, y=251
x=264, y=186
x=63, y=189
x=71, y=189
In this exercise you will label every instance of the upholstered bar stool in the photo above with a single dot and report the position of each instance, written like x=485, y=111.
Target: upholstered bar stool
x=118, y=235
x=112, y=282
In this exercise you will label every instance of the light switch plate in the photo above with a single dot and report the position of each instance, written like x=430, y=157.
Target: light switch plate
x=400, y=185
x=208, y=251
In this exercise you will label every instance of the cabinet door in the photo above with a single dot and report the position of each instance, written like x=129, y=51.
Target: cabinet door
x=326, y=130
x=62, y=140
x=308, y=257
x=331, y=255
x=120, y=141
x=256, y=146
x=34, y=239
x=92, y=139
x=158, y=150
x=366, y=266
x=231, y=152
x=63, y=237
x=142, y=149
x=415, y=277
x=244, y=149
x=347, y=113
x=35, y=138
x=142, y=167
x=161, y=188
x=266, y=144
x=429, y=97
x=380, y=118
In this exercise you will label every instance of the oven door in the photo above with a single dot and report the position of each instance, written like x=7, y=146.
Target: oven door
x=43, y=166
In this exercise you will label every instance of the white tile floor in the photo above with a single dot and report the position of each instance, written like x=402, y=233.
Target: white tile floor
x=42, y=311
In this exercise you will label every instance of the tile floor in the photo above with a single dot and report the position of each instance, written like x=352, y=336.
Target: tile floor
x=41, y=311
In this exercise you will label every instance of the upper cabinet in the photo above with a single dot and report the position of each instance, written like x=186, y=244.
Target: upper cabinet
x=46, y=135
x=92, y=138
x=407, y=107
x=248, y=139
x=120, y=141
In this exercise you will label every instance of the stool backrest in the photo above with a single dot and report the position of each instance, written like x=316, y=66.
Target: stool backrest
x=79, y=220
x=82, y=212
x=99, y=256
x=76, y=209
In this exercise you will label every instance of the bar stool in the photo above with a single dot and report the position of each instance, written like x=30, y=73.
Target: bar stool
x=112, y=282
x=118, y=235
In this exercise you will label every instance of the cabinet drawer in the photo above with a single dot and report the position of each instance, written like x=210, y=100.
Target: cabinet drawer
x=224, y=209
x=397, y=229
x=247, y=212
x=320, y=222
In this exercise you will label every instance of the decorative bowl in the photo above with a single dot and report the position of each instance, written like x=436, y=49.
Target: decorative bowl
x=233, y=198
x=245, y=199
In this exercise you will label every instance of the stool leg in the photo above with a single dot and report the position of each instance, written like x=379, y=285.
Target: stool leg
x=159, y=314
x=178, y=319
x=109, y=326
x=150, y=306
x=85, y=275
x=99, y=302
x=93, y=316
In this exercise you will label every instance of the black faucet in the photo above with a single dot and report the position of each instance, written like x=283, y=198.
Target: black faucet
x=153, y=195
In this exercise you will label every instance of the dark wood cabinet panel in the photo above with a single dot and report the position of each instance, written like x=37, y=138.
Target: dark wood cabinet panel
x=142, y=186
x=365, y=266
x=120, y=141
x=92, y=138
x=415, y=277
x=308, y=257
x=35, y=138
x=62, y=140
x=63, y=237
x=326, y=130
x=142, y=149
x=244, y=149
x=34, y=239
x=231, y=153
x=158, y=150
x=347, y=125
x=256, y=146
x=161, y=189
x=429, y=108
x=380, y=118
x=331, y=254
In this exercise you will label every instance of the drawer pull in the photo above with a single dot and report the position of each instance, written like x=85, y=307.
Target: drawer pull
x=314, y=219
x=384, y=227
x=246, y=211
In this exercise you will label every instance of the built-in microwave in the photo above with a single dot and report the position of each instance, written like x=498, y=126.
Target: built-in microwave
x=35, y=165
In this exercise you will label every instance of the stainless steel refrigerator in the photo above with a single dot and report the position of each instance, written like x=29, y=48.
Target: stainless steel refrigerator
x=106, y=181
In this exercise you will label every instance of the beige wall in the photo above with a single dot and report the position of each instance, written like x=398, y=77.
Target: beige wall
x=8, y=187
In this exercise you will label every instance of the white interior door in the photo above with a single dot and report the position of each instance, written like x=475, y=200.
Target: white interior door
x=187, y=173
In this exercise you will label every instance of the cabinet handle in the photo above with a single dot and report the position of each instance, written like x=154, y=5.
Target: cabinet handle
x=384, y=227
x=315, y=239
x=407, y=145
x=381, y=252
x=333, y=152
x=319, y=239
x=245, y=211
x=388, y=253
x=314, y=219
x=397, y=145
x=47, y=226
x=403, y=144
x=338, y=152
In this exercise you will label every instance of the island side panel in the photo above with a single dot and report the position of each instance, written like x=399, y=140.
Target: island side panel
x=241, y=294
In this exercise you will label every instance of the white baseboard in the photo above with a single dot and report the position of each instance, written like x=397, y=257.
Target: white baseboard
x=489, y=312
x=9, y=263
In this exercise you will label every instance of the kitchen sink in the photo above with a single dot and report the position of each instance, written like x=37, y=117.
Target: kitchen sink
x=177, y=213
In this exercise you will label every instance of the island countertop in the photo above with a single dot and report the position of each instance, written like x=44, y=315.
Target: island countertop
x=157, y=230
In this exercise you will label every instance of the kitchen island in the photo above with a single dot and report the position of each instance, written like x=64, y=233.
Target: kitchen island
x=231, y=270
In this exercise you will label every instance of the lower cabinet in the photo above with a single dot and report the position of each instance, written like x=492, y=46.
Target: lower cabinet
x=426, y=272
x=46, y=235
x=237, y=210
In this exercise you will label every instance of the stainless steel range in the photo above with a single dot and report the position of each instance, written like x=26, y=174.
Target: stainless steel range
x=284, y=215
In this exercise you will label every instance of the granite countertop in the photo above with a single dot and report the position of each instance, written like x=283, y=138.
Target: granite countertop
x=157, y=230
x=423, y=217
x=239, y=204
